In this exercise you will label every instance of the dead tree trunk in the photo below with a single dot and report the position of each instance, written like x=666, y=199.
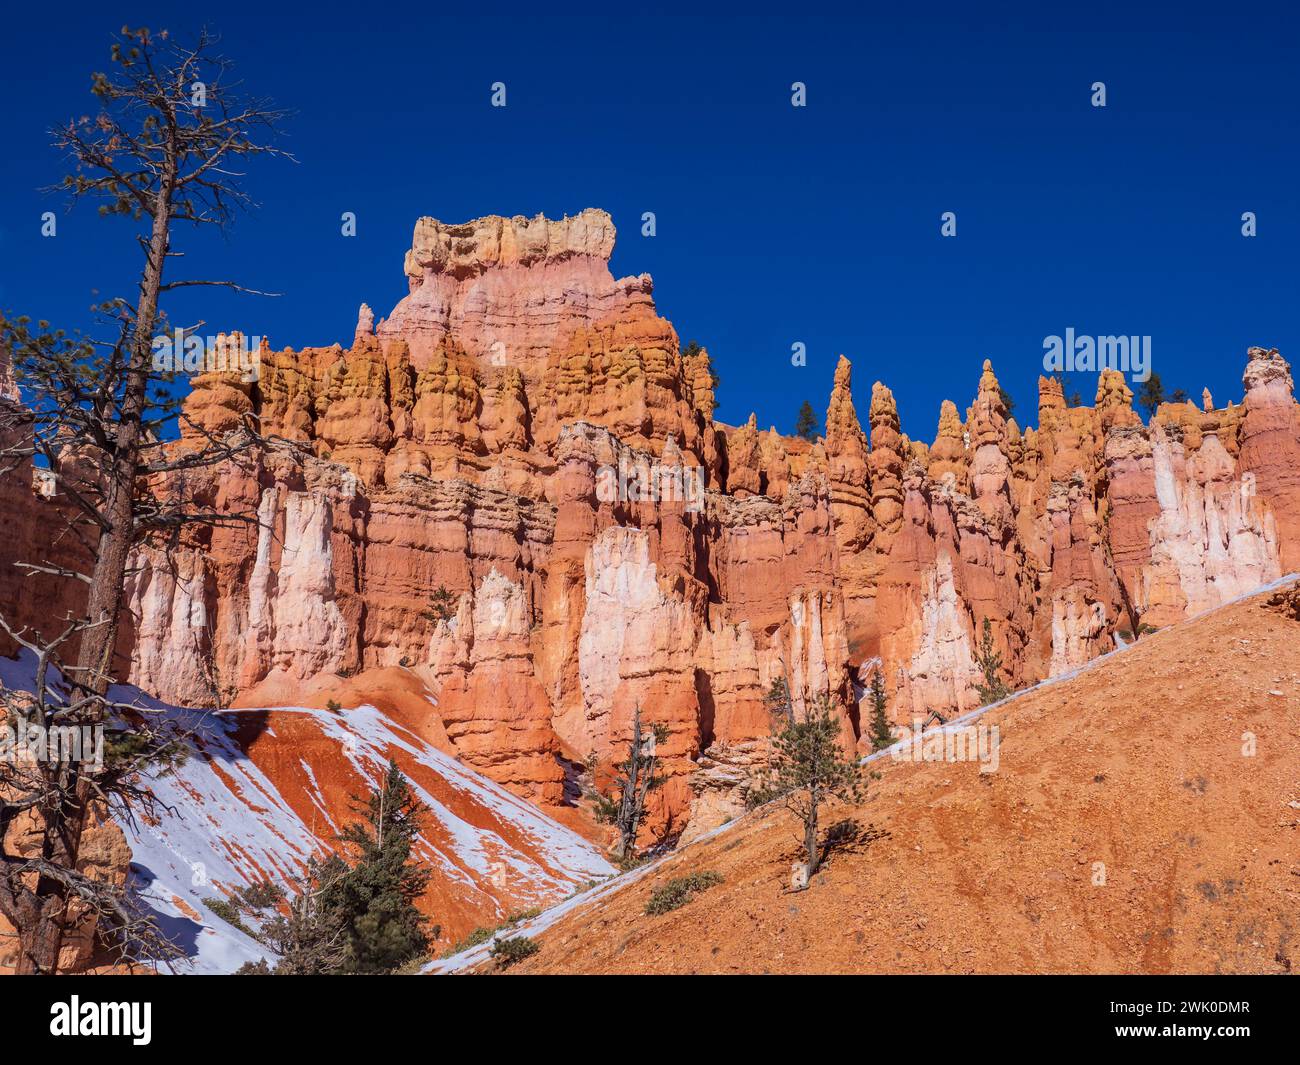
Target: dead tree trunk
x=637, y=780
x=161, y=149
x=64, y=822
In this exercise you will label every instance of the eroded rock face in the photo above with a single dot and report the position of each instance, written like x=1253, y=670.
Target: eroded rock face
x=1212, y=540
x=1269, y=435
x=513, y=487
x=104, y=857
x=511, y=290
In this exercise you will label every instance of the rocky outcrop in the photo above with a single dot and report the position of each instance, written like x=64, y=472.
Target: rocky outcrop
x=103, y=857
x=1286, y=602
x=1269, y=435
x=514, y=489
x=849, y=476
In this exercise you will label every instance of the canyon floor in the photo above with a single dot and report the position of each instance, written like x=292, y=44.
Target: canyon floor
x=1139, y=761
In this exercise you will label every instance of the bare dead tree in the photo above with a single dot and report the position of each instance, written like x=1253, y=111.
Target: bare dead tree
x=635, y=777
x=172, y=130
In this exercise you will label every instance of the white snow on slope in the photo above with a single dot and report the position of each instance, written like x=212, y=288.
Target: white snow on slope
x=224, y=824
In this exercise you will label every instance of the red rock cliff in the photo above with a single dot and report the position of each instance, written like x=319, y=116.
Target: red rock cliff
x=526, y=432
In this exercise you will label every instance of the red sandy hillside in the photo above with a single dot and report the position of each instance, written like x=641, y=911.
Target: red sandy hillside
x=1137, y=763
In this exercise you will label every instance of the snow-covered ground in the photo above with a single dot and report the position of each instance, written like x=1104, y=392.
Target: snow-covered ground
x=229, y=824
x=224, y=822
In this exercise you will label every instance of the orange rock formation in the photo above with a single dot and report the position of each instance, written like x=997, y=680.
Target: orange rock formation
x=526, y=432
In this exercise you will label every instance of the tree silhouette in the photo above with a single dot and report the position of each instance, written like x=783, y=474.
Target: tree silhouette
x=165, y=147
x=806, y=426
x=1152, y=394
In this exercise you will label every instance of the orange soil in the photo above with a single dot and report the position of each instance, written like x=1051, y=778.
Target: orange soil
x=403, y=695
x=1137, y=763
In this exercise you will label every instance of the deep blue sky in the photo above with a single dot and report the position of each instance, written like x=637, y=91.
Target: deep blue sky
x=775, y=224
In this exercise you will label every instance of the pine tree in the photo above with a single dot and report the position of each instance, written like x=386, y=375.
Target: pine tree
x=375, y=897
x=442, y=605
x=777, y=700
x=989, y=661
x=881, y=734
x=1071, y=394
x=311, y=939
x=1152, y=394
x=351, y=919
x=807, y=769
x=806, y=426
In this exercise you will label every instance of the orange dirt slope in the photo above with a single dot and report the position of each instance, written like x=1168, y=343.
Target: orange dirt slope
x=1137, y=763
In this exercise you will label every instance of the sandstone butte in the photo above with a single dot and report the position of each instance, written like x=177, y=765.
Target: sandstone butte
x=467, y=440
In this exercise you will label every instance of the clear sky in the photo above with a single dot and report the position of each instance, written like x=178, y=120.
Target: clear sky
x=776, y=224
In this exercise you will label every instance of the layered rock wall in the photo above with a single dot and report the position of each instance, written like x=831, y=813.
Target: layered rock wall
x=514, y=486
